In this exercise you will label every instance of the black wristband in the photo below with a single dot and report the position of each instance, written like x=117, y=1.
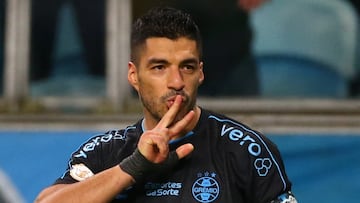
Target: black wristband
x=138, y=166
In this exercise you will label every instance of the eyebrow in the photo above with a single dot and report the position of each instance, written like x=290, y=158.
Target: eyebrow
x=163, y=61
x=157, y=61
x=189, y=60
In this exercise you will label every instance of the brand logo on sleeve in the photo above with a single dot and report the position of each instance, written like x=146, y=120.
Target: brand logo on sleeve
x=262, y=165
x=206, y=188
x=90, y=146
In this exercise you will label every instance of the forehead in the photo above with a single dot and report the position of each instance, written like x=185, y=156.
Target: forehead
x=165, y=47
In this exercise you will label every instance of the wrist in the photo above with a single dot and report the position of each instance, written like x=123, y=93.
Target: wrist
x=137, y=166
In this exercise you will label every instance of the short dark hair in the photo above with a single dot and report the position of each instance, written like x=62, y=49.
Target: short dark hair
x=163, y=22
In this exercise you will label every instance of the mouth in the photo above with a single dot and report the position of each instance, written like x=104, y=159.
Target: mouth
x=170, y=101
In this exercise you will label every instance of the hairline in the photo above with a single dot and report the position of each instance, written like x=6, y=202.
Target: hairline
x=137, y=49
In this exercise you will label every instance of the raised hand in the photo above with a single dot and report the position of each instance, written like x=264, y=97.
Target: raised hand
x=154, y=144
x=152, y=154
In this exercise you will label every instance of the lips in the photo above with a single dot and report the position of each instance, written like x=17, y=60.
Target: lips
x=170, y=101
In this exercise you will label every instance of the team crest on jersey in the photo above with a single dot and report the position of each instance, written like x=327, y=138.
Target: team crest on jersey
x=206, y=188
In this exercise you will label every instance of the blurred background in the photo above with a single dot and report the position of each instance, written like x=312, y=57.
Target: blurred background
x=290, y=69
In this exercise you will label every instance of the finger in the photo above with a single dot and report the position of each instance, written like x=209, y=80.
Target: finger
x=181, y=125
x=153, y=144
x=184, y=150
x=170, y=114
x=160, y=143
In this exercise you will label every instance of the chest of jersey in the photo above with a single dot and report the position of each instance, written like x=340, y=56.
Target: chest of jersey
x=203, y=176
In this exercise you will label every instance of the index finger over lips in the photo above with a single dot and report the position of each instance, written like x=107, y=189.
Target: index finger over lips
x=170, y=115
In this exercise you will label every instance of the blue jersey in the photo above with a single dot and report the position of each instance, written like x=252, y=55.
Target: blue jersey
x=230, y=163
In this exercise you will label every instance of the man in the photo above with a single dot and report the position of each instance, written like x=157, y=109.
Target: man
x=178, y=152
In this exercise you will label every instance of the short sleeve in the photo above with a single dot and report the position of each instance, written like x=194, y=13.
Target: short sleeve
x=91, y=157
x=268, y=171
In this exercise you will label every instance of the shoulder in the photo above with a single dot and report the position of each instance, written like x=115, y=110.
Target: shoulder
x=101, y=152
x=230, y=128
x=251, y=151
x=240, y=137
x=110, y=140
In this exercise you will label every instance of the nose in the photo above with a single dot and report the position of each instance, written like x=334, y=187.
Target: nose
x=175, y=79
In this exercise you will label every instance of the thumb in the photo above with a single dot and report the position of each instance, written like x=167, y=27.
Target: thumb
x=184, y=150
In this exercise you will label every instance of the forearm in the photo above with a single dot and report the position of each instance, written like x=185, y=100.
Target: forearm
x=102, y=187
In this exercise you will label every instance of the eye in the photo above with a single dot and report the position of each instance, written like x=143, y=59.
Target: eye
x=188, y=68
x=158, y=67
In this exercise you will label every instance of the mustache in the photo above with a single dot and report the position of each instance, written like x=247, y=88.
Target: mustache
x=174, y=93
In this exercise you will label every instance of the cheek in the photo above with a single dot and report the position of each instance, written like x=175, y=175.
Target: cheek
x=195, y=83
x=149, y=88
x=153, y=81
x=147, y=84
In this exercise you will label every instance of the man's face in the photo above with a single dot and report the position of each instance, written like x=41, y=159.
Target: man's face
x=166, y=68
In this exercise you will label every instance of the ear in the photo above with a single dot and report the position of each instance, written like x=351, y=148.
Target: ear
x=133, y=76
x=201, y=74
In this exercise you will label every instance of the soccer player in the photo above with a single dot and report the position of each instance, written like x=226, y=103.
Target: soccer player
x=178, y=152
